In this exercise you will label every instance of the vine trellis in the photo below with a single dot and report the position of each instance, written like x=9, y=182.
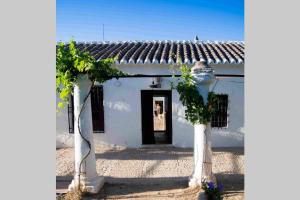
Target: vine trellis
x=72, y=63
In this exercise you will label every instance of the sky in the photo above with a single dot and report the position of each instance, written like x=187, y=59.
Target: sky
x=123, y=20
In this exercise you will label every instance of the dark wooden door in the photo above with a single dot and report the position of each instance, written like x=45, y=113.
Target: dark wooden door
x=147, y=115
x=168, y=95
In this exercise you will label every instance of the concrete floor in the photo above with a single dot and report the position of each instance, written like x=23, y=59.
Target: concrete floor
x=147, y=172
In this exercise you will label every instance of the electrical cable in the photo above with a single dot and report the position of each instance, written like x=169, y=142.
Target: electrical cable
x=86, y=140
x=170, y=75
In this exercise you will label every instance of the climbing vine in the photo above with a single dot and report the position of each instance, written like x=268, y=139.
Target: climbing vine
x=71, y=62
x=196, y=111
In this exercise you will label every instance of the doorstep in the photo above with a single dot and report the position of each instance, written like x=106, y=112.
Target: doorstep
x=156, y=145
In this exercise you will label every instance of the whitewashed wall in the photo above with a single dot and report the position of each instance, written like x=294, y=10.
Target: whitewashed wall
x=122, y=110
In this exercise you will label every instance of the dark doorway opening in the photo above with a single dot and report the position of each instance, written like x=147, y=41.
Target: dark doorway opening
x=156, y=116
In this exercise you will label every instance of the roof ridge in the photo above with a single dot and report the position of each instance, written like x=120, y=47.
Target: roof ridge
x=156, y=41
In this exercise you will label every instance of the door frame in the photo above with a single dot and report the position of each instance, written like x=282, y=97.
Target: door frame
x=169, y=131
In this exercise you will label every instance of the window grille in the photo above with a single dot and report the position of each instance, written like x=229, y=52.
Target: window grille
x=219, y=119
x=97, y=110
x=71, y=114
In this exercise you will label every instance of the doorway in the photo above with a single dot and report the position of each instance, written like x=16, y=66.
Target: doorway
x=156, y=116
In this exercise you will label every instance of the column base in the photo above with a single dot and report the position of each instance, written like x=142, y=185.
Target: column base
x=89, y=186
x=194, y=181
x=211, y=178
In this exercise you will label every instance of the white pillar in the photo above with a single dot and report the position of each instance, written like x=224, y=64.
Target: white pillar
x=207, y=154
x=202, y=132
x=89, y=179
x=198, y=154
x=207, y=162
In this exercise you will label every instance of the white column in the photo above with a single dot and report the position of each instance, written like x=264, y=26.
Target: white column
x=199, y=136
x=202, y=146
x=89, y=179
x=207, y=162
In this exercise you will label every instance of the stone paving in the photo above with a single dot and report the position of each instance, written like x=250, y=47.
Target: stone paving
x=156, y=172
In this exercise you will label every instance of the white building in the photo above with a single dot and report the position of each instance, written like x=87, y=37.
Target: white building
x=125, y=111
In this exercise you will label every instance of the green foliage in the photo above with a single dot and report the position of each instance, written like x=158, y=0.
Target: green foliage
x=197, y=112
x=70, y=63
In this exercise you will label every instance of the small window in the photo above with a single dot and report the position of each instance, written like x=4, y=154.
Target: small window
x=97, y=110
x=71, y=114
x=219, y=119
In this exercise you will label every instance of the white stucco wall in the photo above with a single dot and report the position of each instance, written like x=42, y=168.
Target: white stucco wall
x=63, y=137
x=122, y=110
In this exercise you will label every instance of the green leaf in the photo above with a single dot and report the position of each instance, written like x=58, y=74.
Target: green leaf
x=71, y=62
x=60, y=105
x=196, y=111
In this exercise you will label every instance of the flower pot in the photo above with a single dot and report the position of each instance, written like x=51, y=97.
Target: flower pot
x=211, y=197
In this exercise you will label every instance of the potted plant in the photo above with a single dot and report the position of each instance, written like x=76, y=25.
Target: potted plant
x=212, y=191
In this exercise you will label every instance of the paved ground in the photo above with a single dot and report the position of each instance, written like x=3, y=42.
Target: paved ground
x=155, y=173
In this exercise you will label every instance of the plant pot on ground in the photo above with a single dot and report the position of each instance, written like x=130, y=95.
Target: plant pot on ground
x=212, y=191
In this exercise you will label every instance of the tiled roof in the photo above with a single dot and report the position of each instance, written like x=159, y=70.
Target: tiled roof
x=166, y=52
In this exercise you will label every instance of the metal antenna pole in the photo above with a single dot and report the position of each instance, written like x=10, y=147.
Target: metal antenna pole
x=103, y=32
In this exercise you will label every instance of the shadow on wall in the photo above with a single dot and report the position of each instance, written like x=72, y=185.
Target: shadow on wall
x=224, y=138
x=121, y=114
x=118, y=129
x=183, y=131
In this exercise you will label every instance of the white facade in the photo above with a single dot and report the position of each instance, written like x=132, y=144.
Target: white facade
x=122, y=109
